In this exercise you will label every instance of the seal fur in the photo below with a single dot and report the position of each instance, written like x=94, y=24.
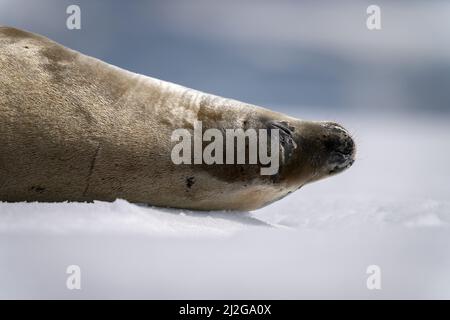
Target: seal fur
x=74, y=128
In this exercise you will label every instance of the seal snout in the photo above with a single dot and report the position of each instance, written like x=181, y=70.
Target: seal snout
x=339, y=146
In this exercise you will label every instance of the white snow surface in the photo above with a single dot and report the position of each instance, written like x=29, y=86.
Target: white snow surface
x=391, y=209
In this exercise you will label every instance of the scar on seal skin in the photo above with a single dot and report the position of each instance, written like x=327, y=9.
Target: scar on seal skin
x=74, y=128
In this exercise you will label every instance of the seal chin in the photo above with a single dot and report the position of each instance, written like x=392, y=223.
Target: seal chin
x=340, y=147
x=339, y=162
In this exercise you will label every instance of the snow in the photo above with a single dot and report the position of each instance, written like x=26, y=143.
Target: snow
x=391, y=209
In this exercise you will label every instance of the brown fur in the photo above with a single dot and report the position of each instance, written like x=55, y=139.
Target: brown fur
x=73, y=128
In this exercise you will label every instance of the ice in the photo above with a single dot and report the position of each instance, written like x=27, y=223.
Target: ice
x=391, y=209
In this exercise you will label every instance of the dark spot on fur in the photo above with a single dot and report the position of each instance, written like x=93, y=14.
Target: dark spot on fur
x=26, y=47
x=57, y=54
x=190, y=182
x=37, y=189
x=57, y=61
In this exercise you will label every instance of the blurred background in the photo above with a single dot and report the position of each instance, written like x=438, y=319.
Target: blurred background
x=307, y=55
x=310, y=59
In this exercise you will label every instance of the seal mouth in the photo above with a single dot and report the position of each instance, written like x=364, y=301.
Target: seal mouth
x=339, y=162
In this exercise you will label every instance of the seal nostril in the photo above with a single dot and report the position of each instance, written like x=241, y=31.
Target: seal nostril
x=332, y=144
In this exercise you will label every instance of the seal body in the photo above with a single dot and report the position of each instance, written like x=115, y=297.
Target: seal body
x=73, y=128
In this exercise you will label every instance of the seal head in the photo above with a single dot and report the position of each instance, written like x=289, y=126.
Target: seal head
x=313, y=150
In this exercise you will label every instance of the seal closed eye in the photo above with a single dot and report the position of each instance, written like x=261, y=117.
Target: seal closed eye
x=286, y=137
x=74, y=128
